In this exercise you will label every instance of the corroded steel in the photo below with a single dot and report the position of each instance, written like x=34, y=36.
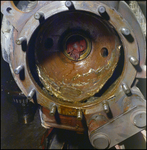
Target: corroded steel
x=76, y=80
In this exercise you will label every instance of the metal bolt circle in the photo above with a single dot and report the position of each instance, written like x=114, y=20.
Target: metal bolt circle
x=139, y=119
x=37, y=16
x=101, y=9
x=18, y=69
x=125, y=31
x=28, y=81
x=126, y=89
x=100, y=141
x=79, y=115
x=68, y=3
x=18, y=42
x=134, y=61
x=31, y=94
x=106, y=108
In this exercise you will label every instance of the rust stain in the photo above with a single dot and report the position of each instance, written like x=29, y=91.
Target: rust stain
x=70, y=120
x=67, y=111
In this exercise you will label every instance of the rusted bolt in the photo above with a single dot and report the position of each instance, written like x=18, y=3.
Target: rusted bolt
x=126, y=89
x=133, y=60
x=53, y=110
x=125, y=31
x=18, y=69
x=20, y=40
x=101, y=9
x=68, y=4
x=79, y=114
x=38, y=15
x=31, y=94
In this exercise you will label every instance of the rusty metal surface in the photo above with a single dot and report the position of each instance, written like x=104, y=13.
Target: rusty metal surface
x=60, y=121
x=74, y=81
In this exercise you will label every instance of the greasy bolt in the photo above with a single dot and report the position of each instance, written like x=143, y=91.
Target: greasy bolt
x=31, y=94
x=53, y=110
x=101, y=9
x=125, y=31
x=20, y=40
x=68, y=4
x=133, y=60
x=126, y=89
x=18, y=69
x=79, y=114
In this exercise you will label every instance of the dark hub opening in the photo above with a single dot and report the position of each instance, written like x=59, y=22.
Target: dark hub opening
x=76, y=46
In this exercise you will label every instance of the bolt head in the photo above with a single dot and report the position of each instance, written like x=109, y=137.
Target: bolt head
x=126, y=89
x=16, y=71
x=134, y=61
x=37, y=16
x=125, y=31
x=53, y=110
x=79, y=115
x=101, y=9
x=68, y=3
x=106, y=108
x=18, y=42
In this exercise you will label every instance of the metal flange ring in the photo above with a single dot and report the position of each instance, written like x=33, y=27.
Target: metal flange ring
x=18, y=57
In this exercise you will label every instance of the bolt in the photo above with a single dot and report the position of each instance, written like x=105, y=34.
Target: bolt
x=53, y=110
x=20, y=40
x=101, y=9
x=106, y=107
x=125, y=31
x=133, y=60
x=126, y=89
x=79, y=114
x=18, y=69
x=38, y=15
x=31, y=94
x=68, y=4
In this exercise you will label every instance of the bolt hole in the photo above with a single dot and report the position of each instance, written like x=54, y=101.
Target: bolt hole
x=48, y=43
x=8, y=9
x=104, y=52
